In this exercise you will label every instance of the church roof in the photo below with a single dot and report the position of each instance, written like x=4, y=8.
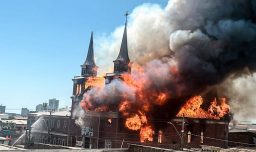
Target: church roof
x=123, y=53
x=90, y=54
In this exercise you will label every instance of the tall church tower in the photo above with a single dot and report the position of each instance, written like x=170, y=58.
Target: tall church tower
x=89, y=69
x=122, y=62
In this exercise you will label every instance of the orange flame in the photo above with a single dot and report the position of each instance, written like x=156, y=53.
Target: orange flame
x=139, y=122
x=146, y=134
x=124, y=107
x=135, y=109
x=133, y=123
x=220, y=110
x=161, y=99
x=96, y=82
x=192, y=109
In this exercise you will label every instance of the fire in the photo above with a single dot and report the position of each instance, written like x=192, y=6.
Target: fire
x=220, y=110
x=133, y=123
x=134, y=110
x=161, y=99
x=192, y=109
x=96, y=82
x=135, y=106
x=124, y=107
x=146, y=134
x=139, y=122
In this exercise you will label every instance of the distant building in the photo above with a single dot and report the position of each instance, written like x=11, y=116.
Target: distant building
x=45, y=106
x=39, y=107
x=53, y=104
x=24, y=112
x=2, y=109
x=4, y=116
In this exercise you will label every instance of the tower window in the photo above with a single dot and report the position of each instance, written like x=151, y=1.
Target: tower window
x=160, y=136
x=189, y=137
x=202, y=137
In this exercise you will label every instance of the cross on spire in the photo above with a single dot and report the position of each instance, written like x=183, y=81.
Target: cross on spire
x=126, y=16
x=121, y=64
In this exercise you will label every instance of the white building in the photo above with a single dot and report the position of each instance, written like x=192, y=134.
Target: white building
x=53, y=104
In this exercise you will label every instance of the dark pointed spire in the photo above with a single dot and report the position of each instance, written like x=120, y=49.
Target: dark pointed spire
x=123, y=53
x=89, y=67
x=121, y=64
x=90, y=54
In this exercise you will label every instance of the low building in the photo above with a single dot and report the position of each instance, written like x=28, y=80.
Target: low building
x=242, y=135
x=195, y=132
x=53, y=128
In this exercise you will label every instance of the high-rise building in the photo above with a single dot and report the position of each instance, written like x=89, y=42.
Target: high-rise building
x=53, y=104
x=24, y=112
x=2, y=109
x=39, y=107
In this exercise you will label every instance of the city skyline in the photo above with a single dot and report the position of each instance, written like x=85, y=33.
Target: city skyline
x=44, y=43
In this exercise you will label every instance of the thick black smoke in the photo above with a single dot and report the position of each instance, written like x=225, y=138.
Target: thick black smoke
x=210, y=39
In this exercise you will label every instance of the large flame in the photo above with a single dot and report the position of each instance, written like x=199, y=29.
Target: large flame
x=192, y=109
x=146, y=134
x=97, y=82
x=136, y=109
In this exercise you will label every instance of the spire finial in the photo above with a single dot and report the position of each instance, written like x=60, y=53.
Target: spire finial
x=126, y=16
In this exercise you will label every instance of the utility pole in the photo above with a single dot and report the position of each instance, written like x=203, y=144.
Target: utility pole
x=49, y=128
x=28, y=140
x=176, y=130
x=182, y=132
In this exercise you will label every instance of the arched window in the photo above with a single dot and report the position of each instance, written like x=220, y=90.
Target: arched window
x=189, y=137
x=58, y=124
x=63, y=142
x=202, y=137
x=54, y=141
x=52, y=123
x=160, y=136
x=46, y=140
x=65, y=124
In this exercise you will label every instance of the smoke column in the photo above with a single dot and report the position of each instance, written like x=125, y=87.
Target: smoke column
x=206, y=42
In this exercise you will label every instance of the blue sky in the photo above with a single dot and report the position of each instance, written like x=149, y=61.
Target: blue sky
x=44, y=42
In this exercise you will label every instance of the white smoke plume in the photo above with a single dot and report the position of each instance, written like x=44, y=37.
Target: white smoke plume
x=241, y=92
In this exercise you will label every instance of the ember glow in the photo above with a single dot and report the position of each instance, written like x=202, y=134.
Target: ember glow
x=136, y=108
x=146, y=134
x=192, y=109
x=96, y=82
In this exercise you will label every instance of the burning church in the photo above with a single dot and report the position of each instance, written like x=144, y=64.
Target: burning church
x=129, y=106
x=179, y=89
